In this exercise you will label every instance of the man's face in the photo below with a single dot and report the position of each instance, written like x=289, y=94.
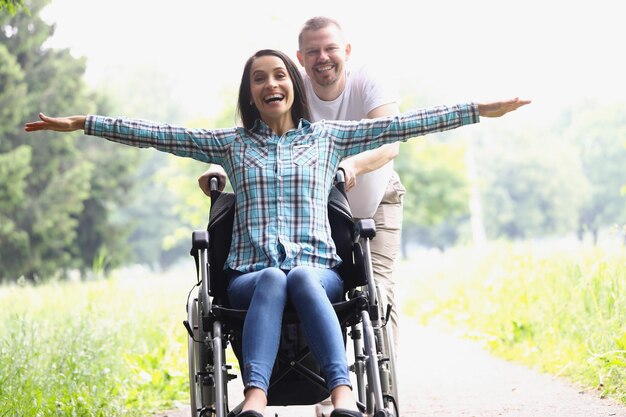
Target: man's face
x=323, y=54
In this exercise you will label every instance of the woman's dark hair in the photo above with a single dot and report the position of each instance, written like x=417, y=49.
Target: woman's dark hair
x=249, y=113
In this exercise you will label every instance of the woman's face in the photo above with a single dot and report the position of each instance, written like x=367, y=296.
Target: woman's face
x=271, y=87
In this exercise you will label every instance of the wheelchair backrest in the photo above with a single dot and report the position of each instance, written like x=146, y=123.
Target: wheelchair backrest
x=220, y=228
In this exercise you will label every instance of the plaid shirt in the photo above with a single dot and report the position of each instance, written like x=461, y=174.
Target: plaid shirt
x=282, y=183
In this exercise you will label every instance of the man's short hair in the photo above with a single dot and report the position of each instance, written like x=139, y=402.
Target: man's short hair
x=316, y=23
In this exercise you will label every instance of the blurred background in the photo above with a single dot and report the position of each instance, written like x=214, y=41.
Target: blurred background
x=513, y=228
x=553, y=170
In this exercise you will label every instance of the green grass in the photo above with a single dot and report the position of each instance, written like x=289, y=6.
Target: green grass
x=117, y=347
x=112, y=347
x=562, y=311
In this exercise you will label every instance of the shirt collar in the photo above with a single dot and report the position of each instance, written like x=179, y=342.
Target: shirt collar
x=303, y=123
x=261, y=128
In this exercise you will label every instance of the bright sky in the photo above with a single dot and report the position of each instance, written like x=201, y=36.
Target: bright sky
x=551, y=51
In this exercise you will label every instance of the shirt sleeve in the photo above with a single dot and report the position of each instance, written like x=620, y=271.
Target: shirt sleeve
x=201, y=144
x=351, y=138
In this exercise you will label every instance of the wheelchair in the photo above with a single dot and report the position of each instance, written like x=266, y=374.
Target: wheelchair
x=296, y=378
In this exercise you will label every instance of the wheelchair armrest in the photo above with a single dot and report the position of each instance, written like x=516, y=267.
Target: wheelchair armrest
x=364, y=228
x=199, y=240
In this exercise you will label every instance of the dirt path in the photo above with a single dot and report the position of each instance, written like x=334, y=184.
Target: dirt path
x=442, y=376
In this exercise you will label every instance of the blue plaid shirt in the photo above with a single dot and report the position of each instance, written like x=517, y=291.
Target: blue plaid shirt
x=282, y=183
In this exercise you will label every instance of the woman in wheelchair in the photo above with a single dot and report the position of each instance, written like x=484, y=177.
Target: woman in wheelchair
x=282, y=168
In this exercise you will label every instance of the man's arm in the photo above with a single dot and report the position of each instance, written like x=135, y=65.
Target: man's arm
x=369, y=161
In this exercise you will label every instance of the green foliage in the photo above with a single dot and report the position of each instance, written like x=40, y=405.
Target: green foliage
x=13, y=6
x=599, y=132
x=117, y=349
x=180, y=178
x=554, y=307
x=435, y=178
x=159, y=232
x=14, y=168
x=58, y=191
x=533, y=185
x=152, y=214
x=13, y=93
x=557, y=181
x=100, y=230
x=437, y=188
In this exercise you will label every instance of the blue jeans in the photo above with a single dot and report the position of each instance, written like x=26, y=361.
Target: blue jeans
x=264, y=294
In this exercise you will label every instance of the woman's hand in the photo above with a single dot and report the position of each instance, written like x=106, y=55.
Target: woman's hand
x=500, y=108
x=59, y=124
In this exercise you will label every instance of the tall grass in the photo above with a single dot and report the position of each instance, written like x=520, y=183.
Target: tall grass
x=117, y=347
x=111, y=347
x=560, y=310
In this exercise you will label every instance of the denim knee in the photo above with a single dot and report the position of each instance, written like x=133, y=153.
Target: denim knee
x=308, y=283
x=272, y=282
x=242, y=287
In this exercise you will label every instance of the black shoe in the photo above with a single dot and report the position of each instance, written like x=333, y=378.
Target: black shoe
x=343, y=412
x=249, y=413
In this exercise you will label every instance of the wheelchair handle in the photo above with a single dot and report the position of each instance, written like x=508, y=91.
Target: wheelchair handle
x=214, y=182
x=340, y=176
x=340, y=181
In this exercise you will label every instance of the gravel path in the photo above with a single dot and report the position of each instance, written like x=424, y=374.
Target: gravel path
x=456, y=378
x=442, y=376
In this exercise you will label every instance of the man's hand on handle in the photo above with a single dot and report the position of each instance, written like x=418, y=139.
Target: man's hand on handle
x=213, y=171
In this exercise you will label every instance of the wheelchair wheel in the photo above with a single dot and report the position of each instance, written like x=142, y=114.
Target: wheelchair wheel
x=192, y=319
x=201, y=391
x=387, y=362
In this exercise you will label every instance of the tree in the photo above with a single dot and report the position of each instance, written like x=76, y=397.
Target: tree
x=533, y=185
x=599, y=133
x=433, y=171
x=12, y=6
x=158, y=235
x=50, y=178
x=179, y=177
x=437, y=191
x=14, y=168
x=13, y=99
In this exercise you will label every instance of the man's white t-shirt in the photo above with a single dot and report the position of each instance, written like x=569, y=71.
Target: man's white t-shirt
x=360, y=96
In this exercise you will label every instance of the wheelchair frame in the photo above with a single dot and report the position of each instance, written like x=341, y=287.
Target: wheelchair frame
x=374, y=361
